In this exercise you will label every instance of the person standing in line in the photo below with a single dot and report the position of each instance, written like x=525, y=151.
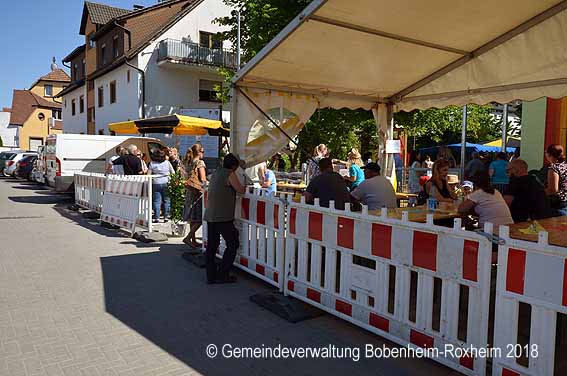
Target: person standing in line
x=195, y=177
x=161, y=168
x=428, y=163
x=174, y=158
x=219, y=214
x=131, y=163
x=557, y=178
x=117, y=169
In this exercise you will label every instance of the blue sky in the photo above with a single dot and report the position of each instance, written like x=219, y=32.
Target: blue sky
x=33, y=31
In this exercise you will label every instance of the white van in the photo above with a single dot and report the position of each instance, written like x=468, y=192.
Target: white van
x=66, y=154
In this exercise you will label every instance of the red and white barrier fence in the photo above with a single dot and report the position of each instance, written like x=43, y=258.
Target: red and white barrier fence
x=89, y=190
x=260, y=221
x=531, y=290
x=416, y=284
x=121, y=200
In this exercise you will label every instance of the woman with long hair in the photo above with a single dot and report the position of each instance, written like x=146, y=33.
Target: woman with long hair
x=438, y=186
x=319, y=153
x=195, y=174
x=446, y=154
x=486, y=202
x=557, y=178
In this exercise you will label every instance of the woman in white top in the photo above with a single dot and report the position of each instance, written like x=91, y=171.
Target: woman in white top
x=487, y=203
x=162, y=168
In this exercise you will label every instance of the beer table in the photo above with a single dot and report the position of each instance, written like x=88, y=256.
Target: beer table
x=419, y=213
x=555, y=226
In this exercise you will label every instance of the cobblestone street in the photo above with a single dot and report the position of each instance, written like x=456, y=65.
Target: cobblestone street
x=77, y=299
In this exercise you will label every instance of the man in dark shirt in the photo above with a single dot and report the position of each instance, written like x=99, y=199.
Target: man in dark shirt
x=526, y=199
x=474, y=166
x=327, y=186
x=132, y=164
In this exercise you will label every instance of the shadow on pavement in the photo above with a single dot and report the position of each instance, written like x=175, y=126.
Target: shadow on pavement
x=89, y=224
x=31, y=187
x=42, y=200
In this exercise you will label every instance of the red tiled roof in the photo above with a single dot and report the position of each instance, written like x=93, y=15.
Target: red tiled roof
x=24, y=103
x=102, y=13
x=58, y=75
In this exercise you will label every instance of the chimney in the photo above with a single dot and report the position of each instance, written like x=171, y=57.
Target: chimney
x=137, y=7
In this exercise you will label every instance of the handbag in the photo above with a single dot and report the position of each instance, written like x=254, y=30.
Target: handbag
x=193, y=180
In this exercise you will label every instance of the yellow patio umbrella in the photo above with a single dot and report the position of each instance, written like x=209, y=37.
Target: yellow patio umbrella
x=511, y=142
x=171, y=124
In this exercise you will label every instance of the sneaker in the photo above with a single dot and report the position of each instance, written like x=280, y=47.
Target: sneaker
x=155, y=220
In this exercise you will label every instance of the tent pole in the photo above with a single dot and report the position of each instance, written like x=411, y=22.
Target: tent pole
x=504, y=126
x=389, y=136
x=463, y=143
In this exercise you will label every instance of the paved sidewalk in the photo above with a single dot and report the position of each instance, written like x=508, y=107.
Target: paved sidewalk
x=77, y=299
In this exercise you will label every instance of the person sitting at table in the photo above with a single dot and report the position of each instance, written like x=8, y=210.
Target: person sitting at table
x=486, y=202
x=438, y=187
x=526, y=196
x=267, y=180
x=557, y=178
x=327, y=186
x=355, y=173
x=375, y=191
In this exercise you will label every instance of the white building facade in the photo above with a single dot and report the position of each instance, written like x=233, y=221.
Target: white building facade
x=8, y=134
x=180, y=70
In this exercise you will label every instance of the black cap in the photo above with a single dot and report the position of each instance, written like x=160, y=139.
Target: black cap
x=372, y=166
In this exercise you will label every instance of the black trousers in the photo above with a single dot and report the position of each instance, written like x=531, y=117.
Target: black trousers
x=230, y=235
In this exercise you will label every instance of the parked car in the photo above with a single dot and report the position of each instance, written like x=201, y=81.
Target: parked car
x=6, y=156
x=24, y=166
x=11, y=163
x=68, y=153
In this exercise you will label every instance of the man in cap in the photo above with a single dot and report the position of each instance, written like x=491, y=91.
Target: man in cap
x=375, y=191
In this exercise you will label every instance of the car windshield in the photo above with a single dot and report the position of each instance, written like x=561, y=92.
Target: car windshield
x=6, y=156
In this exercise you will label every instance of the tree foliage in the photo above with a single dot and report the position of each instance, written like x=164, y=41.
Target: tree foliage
x=443, y=126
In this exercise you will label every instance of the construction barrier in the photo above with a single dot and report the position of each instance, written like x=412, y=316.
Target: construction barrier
x=531, y=308
x=260, y=221
x=121, y=200
x=415, y=284
x=89, y=190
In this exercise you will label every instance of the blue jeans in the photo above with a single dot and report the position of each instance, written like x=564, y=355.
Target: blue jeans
x=562, y=211
x=159, y=194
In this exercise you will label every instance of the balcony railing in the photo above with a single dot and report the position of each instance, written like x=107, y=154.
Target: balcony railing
x=193, y=53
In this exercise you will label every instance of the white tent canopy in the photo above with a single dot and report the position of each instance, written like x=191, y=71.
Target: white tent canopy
x=411, y=54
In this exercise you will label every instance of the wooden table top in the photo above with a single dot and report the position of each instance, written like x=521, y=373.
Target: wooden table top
x=291, y=185
x=419, y=213
x=555, y=226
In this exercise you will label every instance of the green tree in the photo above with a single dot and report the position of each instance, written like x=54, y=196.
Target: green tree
x=434, y=126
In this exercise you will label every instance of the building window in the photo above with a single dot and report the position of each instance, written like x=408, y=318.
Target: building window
x=91, y=41
x=209, y=40
x=75, y=72
x=113, y=92
x=100, y=96
x=128, y=76
x=72, y=107
x=84, y=68
x=207, y=90
x=48, y=90
x=115, y=47
x=82, y=104
x=56, y=114
x=103, y=54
